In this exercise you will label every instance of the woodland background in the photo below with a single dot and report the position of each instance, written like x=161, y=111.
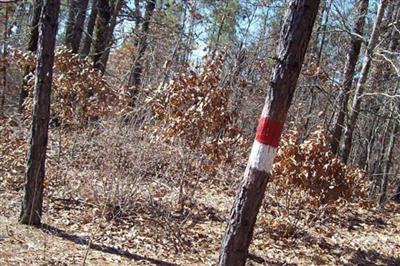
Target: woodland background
x=154, y=109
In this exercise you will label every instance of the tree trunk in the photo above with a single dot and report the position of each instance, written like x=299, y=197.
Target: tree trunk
x=295, y=36
x=373, y=42
x=75, y=23
x=387, y=164
x=100, y=41
x=5, y=63
x=35, y=168
x=137, y=66
x=110, y=33
x=87, y=40
x=32, y=47
x=351, y=62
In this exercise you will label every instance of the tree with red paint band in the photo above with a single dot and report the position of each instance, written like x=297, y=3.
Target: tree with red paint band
x=294, y=39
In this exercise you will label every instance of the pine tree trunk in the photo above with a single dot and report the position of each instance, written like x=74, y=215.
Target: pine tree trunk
x=353, y=116
x=75, y=23
x=4, y=65
x=351, y=62
x=87, y=40
x=110, y=33
x=135, y=76
x=32, y=47
x=31, y=211
x=295, y=36
x=100, y=40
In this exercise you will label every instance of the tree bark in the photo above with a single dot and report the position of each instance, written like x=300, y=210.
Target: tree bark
x=295, y=36
x=31, y=211
x=87, y=40
x=110, y=33
x=100, y=41
x=353, y=116
x=351, y=62
x=387, y=163
x=75, y=23
x=135, y=76
x=5, y=63
x=32, y=47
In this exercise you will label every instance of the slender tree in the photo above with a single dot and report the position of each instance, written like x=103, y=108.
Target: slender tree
x=31, y=211
x=88, y=34
x=135, y=76
x=75, y=23
x=101, y=32
x=32, y=47
x=294, y=39
x=4, y=64
x=349, y=70
x=353, y=116
x=116, y=9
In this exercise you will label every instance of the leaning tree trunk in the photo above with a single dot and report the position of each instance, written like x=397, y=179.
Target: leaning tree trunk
x=373, y=42
x=87, y=40
x=294, y=39
x=32, y=47
x=31, y=211
x=135, y=76
x=351, y=62
x=100, y=40
x=75, y=22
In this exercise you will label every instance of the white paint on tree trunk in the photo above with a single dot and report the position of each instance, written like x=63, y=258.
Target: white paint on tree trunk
x=262, y=156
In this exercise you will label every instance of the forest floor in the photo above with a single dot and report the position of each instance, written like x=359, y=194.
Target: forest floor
x=354, y=236
x=168, y=217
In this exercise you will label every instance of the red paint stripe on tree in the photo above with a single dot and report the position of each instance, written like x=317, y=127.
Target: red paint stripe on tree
x=269, y=132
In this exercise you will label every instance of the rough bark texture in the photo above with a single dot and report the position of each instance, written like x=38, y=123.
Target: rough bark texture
x=35, y=168
x=137, y=66
x=87, y=40
x=100, y=40
x=4, y=66
x=353, y=116
x=294, y=39
x=32, y=47
x=75, y=23
x=351, y=62
x=110, y=33
x=387, y=164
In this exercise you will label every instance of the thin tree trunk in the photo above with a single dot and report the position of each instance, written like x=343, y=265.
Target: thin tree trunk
x=31, y=211
x=87, y=40
x=5, y=60
x=32, y=47
x=100, y=41
x=387, y=164
x=353, y=116
x=75, y=23
x=135, y=76
x=295, y=36
x=351, y=62
x=110, y=33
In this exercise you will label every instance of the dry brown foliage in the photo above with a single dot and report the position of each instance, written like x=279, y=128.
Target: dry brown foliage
x=194, y=109
x=312, y=168
x=79, y=92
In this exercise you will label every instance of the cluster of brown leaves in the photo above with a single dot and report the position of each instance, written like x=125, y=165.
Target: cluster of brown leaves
x=312, y=168
x=79, y=92
x=194, y=108
x=13, y=148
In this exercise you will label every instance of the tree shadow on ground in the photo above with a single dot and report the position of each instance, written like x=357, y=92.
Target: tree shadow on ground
x=372, y=257
x=103, y=248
